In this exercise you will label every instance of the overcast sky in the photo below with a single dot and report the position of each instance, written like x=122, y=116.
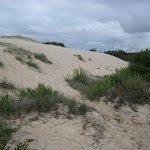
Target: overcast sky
x=80, y=24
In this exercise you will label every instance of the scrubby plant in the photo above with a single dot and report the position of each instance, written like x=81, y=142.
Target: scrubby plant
x=141, y=64
x=42, y=58
x=126, y=86
x=41, y=99
x=83, y=81
x=79, y=57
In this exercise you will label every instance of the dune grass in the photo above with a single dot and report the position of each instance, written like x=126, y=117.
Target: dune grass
x=25, y=56
x=42, y=58
x=7, y=85
x=79, y=57
x=33, y=65
x=126, y=87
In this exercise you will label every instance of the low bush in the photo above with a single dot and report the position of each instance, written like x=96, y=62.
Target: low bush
x=83, y=81
x=126, y=86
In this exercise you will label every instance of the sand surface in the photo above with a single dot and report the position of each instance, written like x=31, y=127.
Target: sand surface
x=122, y=129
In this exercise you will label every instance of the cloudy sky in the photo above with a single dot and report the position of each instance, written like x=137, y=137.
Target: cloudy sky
x=80, y=24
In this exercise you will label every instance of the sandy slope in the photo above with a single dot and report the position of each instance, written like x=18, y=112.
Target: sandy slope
x=124, y=129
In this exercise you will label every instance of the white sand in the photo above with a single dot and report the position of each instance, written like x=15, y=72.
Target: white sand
x=125, y=129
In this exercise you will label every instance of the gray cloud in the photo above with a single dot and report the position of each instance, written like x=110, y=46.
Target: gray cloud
x=104, y=25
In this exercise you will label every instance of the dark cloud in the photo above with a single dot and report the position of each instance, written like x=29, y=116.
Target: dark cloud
x=104, y=25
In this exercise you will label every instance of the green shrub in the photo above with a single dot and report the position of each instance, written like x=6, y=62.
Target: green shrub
x=141, y=64
x=126, y=86
x=42, y=58
x=83, y=109
x=83, y=81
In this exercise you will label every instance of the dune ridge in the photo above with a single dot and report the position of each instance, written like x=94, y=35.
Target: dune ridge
x=123, y=129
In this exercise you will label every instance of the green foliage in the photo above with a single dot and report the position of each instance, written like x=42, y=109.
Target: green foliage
x=1, y=65
x=125, y=85
x=42, y=58
x=6, y=131
x=7, y=106
x=80, y=57
x=141, y=64
x=5, y=134
x=83, y=109
x=54, y=43
x=122, y=55
x=83, y=81
x=33, y=65
x=131, y=87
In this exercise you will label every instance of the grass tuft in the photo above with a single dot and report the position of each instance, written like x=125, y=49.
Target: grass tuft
x=7, y=85
x=33, y=65
x=79, y=57
x=42, y=58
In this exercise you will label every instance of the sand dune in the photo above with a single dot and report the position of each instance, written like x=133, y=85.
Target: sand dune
x=124, y=129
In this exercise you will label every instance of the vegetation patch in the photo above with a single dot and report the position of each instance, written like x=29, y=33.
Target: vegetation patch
x=55, y=43
x=79, y=57
x=1, y=65
x=88, y=85
x=42, y=58
x=25, y=56
x=33, y=65
x=121, y=87
x=41, y=99
x=7, y=85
